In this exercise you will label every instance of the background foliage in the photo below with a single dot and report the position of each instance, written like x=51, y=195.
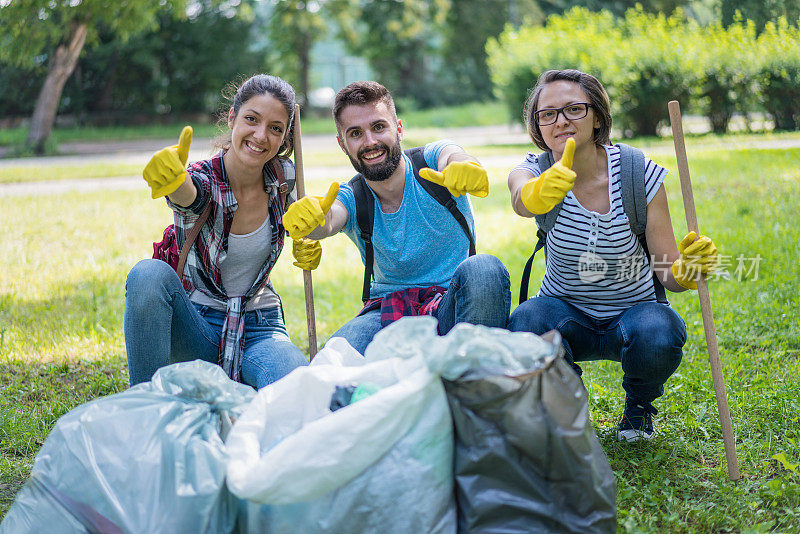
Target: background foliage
x=719, y=57
x=646, y=59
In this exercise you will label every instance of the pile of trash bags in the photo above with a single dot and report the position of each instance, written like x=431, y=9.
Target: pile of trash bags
x=478, y=431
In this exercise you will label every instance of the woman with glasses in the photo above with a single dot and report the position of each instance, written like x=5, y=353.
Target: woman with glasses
x=599, y=289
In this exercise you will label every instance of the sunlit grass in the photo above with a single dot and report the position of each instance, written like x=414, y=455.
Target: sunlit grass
x=65, y=258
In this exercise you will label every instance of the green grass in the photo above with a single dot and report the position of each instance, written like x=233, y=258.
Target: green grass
x=62, y=343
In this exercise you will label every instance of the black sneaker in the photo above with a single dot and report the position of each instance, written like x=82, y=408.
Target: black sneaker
x=637, y=422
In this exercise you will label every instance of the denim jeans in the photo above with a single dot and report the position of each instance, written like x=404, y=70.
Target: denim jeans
x=162, y=326
x=647, y=339
x=479, y=293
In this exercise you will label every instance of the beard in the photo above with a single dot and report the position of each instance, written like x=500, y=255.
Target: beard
x=381, y=171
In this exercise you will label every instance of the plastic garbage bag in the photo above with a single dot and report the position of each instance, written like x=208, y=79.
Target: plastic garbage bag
x=527, y=458
x=149, y=459
x=381, y=464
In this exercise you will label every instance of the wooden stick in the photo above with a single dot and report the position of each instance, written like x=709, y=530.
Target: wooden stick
x=705, y=298
x=308, y=286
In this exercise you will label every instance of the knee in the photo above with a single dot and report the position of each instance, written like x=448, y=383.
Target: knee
x=661, y=336
x=484, y=273
x=534, y=315
x=146, y=280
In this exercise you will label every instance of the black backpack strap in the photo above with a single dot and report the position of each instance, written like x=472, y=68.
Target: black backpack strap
x=439, y=192
x=634, y=202
x=545, y=223
x=365, y=215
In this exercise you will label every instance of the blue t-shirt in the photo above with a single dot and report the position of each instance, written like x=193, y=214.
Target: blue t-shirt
x=421, y=244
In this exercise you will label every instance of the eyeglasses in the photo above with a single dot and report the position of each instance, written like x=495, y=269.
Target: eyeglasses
x=571, y=112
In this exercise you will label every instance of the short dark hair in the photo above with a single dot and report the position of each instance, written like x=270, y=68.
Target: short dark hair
x=358, y=94
x=260, y=84
x=598, y=98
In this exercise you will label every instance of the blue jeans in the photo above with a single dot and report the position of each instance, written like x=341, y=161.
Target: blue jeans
x=479, y=293
x=647, y=339
x=162, y=326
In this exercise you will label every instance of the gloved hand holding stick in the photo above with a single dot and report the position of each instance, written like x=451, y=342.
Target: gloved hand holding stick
x=705, y=297
x=307, y=283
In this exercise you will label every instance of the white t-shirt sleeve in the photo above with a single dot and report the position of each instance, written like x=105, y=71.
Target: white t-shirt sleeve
x=654, y=175
x=531, y=164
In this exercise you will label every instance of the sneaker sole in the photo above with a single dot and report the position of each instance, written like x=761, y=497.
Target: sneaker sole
x=632, y=436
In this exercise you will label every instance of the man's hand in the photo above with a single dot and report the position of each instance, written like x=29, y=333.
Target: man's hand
x=698, y=255
x=166, y=170
x=541, y=194
x=308, y=212
x=460, y=177
x=307, y=253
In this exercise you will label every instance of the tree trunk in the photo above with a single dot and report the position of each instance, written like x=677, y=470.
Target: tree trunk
x=59, y=69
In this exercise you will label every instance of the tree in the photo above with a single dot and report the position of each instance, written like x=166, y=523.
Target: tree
x=294, y=27
x=470, y=23
x=57, y=35
x=400, y=40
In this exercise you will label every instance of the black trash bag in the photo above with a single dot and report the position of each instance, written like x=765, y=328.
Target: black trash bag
x=527, y=458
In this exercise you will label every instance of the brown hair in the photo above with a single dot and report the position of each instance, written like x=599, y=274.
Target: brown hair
x=598, y=98
x=360, y=93
x=260, y=84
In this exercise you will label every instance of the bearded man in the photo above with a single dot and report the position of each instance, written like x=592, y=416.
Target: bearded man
x=418, y=248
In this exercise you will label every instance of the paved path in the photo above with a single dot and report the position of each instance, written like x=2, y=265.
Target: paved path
x=139, y=152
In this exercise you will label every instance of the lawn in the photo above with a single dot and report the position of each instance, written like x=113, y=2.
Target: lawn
x=65, y=258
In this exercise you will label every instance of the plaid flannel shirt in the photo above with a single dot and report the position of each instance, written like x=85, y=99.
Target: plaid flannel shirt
x=407, y=302
x=203, y=264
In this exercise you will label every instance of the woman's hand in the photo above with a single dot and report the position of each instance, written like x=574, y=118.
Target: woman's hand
x=698, y=256
x=307, y=253
x=166, y=170
x=542, y=193
x=307, y=213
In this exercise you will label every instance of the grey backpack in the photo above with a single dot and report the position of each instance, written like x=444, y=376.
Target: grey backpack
x=634, y=202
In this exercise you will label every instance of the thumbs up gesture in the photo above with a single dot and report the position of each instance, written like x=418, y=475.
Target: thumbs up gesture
x=304, y=215
x=166, y=170
x=460, y=177
x=542, y=193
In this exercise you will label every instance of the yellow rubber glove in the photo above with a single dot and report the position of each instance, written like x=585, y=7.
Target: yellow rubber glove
x=166, y=170
x=307, y=213
x=460, y=178
x=543, y=192
x=698, y=256
x=307, y=253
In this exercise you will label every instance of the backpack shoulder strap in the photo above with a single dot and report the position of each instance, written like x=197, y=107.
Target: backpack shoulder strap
x=440, y=193
x=634, y=196
x=283, y=187
x=365, y=215
x=634, y=202
x=544, y=223
x=191, y=238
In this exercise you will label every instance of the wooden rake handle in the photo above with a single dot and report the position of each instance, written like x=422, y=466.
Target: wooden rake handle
x=308, y=285
x=703, y=293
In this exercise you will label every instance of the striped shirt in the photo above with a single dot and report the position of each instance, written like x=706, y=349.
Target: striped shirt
x=594, y=261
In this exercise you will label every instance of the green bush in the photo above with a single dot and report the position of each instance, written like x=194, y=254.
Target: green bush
x=726, y=70
x=778, y=73
x=645, y=59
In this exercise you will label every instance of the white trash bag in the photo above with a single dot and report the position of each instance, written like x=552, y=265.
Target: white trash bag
x=383, y=463
x=150, y=459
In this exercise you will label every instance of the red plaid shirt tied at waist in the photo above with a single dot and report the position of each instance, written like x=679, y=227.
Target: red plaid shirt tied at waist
x=203, y=265
x=407, y=302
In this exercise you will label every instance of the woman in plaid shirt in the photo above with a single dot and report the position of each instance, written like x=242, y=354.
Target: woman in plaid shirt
x=225, y=309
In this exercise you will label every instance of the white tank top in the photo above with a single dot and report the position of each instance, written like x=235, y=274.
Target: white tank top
x=246, y=254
